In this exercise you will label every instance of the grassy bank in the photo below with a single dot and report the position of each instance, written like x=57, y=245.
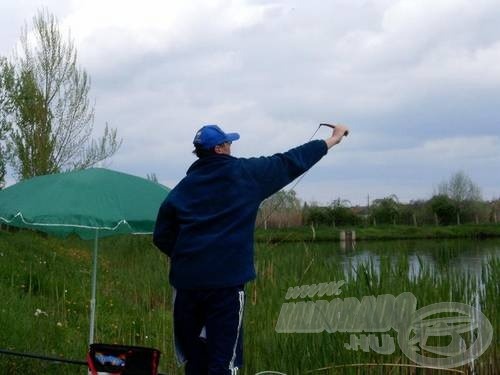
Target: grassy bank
x=382, y=232
x=45, y=292
x=45, y=289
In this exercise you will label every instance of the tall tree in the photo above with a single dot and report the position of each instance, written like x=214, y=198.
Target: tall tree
x=462, y=191
x=4, y=124
x=280, y=203
x=49, y=109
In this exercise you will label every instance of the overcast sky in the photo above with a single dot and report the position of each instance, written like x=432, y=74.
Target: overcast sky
x=418, y=82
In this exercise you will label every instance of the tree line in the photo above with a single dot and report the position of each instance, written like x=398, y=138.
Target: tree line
x=456, y=201
x=46, y=115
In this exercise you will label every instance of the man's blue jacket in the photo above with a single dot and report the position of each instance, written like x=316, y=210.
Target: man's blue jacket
x=206, y=224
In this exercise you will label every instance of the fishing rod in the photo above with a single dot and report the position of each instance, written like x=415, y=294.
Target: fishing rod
x=330, y=126
x=273, y=209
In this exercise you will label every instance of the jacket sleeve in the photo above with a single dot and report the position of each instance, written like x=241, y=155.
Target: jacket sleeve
x=166, y=228
x=272, y=173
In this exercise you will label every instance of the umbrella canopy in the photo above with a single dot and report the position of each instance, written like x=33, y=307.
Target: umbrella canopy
x=91, y=203
x=83, y=202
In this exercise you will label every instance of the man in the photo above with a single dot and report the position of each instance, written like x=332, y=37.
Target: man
x=206, y=226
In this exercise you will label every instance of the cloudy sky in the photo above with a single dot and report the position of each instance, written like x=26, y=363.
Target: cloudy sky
x=418, y=82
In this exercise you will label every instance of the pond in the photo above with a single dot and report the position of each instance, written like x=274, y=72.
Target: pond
x=461, y=272
x=441, y=257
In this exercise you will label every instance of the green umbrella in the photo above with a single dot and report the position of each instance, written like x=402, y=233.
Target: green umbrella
x=91, y=203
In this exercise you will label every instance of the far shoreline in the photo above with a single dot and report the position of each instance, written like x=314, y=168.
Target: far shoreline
x=382, y=232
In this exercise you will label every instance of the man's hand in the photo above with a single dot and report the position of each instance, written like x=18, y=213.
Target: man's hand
x=338, y=133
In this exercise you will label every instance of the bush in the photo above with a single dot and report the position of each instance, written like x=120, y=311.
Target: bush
x=444, y=209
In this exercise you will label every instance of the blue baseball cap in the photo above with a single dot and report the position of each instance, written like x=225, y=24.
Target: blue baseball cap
x=211, y=135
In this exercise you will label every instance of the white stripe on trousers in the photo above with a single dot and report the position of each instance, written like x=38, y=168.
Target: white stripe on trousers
x=241, y=296
x=179, y=356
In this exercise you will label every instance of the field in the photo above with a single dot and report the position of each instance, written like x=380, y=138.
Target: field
x=45, y=289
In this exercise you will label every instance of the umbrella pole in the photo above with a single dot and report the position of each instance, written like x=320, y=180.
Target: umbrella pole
x=94, y=283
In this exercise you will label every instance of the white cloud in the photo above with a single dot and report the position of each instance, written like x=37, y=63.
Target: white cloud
x=113, y=30
x=455, y=151
x=417, y=81
x=474, y=147
x=419, y=49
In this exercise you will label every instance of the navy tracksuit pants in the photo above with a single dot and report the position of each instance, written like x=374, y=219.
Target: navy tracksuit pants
x=208, y=330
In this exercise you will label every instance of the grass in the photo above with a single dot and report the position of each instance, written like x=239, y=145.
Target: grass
x=45, y=288
x=45, y=291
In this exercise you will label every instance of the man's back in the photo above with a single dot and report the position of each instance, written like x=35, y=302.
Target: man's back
x=210, y=215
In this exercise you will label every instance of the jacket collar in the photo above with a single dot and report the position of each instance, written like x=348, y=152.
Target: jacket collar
x=209, y=161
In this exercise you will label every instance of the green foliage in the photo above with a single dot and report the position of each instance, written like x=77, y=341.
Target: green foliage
x=414, y=213
x=338, y=213
x=444, y=208
x=386, y=210
x=341, y=213
x=5, y=82
x=494, y=211
x=45, y=102
x=30, y=138
x=317, y=215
